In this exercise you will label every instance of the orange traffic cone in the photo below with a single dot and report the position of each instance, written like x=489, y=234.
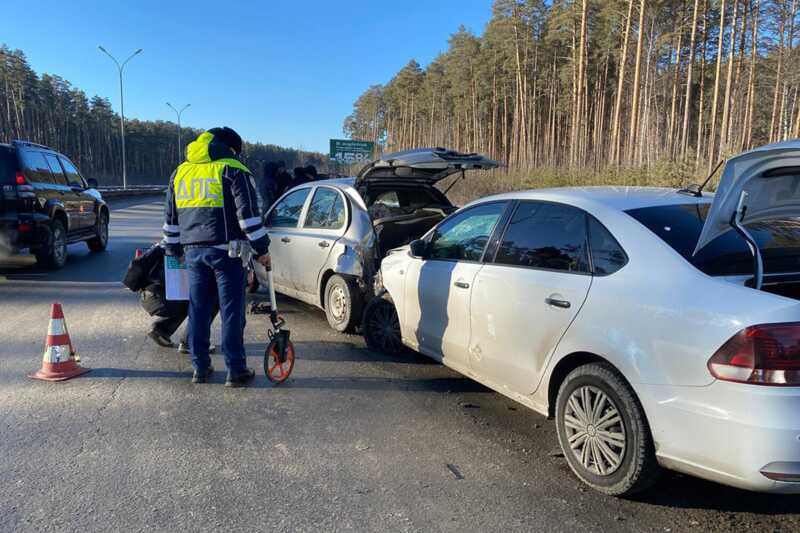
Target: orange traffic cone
x=59, y=362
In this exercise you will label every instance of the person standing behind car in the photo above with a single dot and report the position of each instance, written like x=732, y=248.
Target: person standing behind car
x=211, y=208
x=268, y=185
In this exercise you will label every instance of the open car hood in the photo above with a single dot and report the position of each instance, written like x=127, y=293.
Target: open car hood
x=422, y=165
x=770, y=176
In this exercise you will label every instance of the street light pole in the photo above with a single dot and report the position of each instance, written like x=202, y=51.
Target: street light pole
x=179, y=113
x=120, y=68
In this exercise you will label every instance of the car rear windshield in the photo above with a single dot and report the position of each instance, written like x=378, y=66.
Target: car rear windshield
x=8, y=165
x=680, y=226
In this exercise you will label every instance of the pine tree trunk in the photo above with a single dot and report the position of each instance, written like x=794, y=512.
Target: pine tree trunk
x=634, y=127
x=615, y=126
x=712, y=138
x=689, y=70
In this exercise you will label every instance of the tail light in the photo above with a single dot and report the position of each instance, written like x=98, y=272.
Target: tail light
x=20, y=179
x=768, y=354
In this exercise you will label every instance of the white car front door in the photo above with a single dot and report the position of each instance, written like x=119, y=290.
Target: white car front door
x=282, y=225
x=438, y=287
x=527, y=296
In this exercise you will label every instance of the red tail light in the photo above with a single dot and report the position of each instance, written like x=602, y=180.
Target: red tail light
x=20, y=179
x=24, y=228
x=761, y=355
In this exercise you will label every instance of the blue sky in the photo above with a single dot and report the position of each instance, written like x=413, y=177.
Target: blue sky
x=279, y=72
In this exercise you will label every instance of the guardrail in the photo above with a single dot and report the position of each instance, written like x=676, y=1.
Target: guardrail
x=132, y=190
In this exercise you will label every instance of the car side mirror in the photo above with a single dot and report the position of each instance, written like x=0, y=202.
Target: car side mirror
x=419, y=248
x=91, y=183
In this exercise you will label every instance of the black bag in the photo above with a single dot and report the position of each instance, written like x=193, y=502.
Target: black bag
x=155, y=303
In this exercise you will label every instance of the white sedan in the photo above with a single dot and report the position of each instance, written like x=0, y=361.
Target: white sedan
x=660, y=328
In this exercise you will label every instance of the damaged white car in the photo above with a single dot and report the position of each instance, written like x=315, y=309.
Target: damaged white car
x=327, y=237
x=660, y=328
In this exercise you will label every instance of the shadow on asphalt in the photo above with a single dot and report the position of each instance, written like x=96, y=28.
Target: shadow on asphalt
x=344, y=352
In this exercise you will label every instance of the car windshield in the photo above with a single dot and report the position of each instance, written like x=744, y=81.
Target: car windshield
x=680, y=226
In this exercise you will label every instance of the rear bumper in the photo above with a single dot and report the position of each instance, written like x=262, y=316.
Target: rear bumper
x=12, y=240
x=747, y=436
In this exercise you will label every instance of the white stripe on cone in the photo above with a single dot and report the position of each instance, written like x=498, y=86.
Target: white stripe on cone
x=56, y=327
x=56, y=354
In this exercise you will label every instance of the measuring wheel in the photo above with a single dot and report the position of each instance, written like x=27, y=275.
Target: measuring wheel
x=278, y=366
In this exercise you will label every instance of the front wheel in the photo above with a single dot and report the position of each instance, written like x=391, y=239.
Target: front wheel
x=100, y=241
x=381, y=327
x=603, y=431
x=342, y=304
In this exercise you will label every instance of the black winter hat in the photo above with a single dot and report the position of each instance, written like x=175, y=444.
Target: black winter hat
x=229, y=137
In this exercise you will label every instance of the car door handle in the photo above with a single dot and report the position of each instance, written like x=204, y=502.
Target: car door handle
x=461, y=284
x=323, y=244
x=555, y=302
x=286, y=239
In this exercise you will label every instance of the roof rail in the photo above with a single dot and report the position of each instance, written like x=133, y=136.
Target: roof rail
x=18, y=142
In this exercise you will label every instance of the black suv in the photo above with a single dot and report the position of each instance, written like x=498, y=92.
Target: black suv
x=45, y=204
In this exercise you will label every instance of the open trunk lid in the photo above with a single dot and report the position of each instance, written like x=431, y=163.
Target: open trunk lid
x=770, y=177
x=423, y=165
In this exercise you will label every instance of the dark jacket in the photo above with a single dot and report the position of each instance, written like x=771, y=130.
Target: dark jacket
x=145, y=275
x=211, y=200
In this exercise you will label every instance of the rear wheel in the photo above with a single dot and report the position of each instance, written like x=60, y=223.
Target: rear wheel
x=54, y=254
x=382, y=327
x=100, y=241
x=603, y=431
x=342, y=303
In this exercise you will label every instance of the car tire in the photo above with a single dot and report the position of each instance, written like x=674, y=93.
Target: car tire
x=343, y=304
x=381, y=326
x=100, y=241
x=616, y=456
x=54, y=255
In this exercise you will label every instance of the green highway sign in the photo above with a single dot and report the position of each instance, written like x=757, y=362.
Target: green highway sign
x=349, y=152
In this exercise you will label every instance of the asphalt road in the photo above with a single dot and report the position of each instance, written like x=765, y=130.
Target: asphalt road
x=353, y=441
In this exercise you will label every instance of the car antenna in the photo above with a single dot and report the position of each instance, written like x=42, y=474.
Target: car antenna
x=697, y=190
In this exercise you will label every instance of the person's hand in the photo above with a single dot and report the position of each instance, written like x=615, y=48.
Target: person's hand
x=265, y=261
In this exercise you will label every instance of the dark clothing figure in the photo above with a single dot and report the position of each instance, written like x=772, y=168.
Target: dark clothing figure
x=284, y=181
x=311, y=172
x=300, y=177
x=210, y=267
x=211, y=202
x=268, y=186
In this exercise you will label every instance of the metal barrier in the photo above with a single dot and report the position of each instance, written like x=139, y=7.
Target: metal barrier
x=132, y=190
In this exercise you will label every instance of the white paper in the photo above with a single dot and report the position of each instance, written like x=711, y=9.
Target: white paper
x=176, y=278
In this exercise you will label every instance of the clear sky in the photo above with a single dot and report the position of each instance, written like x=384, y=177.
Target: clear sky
x=278, y=71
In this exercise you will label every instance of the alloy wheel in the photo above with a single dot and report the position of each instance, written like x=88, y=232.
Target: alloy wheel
x=595, y=430
x=59, y=246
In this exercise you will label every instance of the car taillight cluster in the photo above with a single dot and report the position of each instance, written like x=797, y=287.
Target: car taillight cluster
x=768, y=354
x=20, y=179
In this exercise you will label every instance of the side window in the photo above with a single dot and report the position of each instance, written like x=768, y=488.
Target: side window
x=58, y=174
x=36, y=168
x=543, y=235
x=607, y=255
x=73, y=176
x=463, y=236
x=286, y=213
x=326, y=210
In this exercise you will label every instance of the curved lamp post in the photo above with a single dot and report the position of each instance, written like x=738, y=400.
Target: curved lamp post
x=120, y=68
x=179, y=113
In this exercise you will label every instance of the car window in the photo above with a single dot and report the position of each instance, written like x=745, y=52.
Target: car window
x=36, y=168
x=286, y=213
x=544, y=235
x=8, y=165
x=607, y=254
x=389, y=199
x=55, y=168
x=73, y=176
x=680, y=225
x=463, y=236
x=326, y=210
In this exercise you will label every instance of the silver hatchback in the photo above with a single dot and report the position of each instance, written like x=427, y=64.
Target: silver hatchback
x=328, y=237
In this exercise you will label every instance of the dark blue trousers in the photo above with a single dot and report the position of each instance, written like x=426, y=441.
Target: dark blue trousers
x=215, y=277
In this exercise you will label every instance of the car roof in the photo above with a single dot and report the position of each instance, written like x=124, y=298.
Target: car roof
x=620, y=198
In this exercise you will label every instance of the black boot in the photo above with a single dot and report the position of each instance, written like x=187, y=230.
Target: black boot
x=240, y=379
x=202, y=376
